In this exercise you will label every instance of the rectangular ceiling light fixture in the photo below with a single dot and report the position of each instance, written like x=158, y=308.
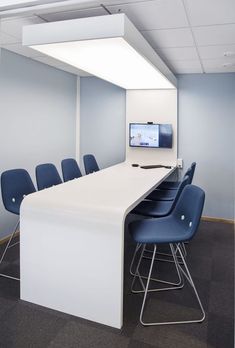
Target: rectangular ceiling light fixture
x=109, y=47
x=16, y=2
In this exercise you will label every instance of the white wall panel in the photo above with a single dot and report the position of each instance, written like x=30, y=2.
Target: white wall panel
x=157, y=106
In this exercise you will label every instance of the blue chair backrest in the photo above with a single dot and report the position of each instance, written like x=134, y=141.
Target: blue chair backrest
x=47, y=176
x=188, y=209
x=181, y=186
x=70, y=169
x=90, y=164
x=188, y=173
x=15, y=185
x=193, y=167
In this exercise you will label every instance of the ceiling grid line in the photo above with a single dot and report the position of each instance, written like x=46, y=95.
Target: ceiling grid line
x=192, y=26
x=194, y=39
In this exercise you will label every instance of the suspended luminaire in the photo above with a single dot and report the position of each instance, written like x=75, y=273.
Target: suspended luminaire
x=109, y=47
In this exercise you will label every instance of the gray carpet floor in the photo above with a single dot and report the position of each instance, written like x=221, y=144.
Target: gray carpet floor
x=211, y=262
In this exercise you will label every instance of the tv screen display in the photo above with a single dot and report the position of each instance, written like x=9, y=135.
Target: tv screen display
x=150, y=135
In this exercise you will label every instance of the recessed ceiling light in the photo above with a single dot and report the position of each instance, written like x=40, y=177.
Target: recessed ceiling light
x=229, y=54
x=109, y=47
x=228, y=65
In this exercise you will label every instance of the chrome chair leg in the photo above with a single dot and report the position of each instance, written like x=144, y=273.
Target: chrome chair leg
x=137, y=270
x=187, y=274
x=153, y=279
x=9, y=245
x=165, y=255
x=184, y=249
x=173, y=286
x=133, y=258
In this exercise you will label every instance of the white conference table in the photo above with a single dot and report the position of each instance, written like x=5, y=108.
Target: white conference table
x=72, y=241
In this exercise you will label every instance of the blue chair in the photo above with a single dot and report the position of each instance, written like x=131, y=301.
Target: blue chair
x=178, y=227
x=162, y=195
x=15, y=185
x=173, y=185
x=70, y=169
x=160, y=208
x=90, y=164
x=47, y=176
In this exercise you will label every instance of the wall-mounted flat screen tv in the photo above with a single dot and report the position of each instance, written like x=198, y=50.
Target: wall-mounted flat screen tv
x=150, y=135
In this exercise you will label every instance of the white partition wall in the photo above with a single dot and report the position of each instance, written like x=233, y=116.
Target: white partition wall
x=157, y=106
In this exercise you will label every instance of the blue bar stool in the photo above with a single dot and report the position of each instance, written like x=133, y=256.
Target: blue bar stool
x=90, y=164
x=178, y=227
x=159, y=209
x=70, y=169
x=15, y=185
x=47, y=176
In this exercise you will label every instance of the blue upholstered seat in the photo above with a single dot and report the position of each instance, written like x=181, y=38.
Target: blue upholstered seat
x=179, y=226
x=47, y=176
x=70, y=169
x=160, y=208
x=90, y=164
x=162, y=195
x=169, y=185
x=15, y=185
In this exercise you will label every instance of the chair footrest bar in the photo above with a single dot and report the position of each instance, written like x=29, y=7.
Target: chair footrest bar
x=8, y=276
x=12, y=245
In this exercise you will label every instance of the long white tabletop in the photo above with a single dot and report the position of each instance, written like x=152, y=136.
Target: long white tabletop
x=72, y=241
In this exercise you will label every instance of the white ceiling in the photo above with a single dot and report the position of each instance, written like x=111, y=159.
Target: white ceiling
x=191, y=36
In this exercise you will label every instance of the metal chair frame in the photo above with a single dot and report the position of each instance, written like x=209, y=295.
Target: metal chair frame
x=138, y=247
x=8, y=246
x=184, y=273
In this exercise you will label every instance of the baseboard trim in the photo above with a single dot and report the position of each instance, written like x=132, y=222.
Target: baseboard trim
x=5, y=239
x=215, y=219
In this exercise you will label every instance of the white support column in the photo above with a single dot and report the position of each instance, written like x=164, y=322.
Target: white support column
x=78, y=138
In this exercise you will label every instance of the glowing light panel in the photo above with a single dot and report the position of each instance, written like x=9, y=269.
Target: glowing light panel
x=111, y=59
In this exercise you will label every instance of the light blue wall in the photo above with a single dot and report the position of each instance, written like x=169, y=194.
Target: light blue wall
x=102, y=121
x=37, y=115
x=207, y=136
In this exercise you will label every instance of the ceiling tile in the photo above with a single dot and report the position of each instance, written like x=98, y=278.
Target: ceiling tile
x=60, y=16
x=159, y=14
x=215, y=35
x=19, y=49
x=7, y=39
x=186, y=66
x=13, y=26
x=216, y=52
x=210, y=12
x=178, y=53
x=169, y=38
x=219, y=65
